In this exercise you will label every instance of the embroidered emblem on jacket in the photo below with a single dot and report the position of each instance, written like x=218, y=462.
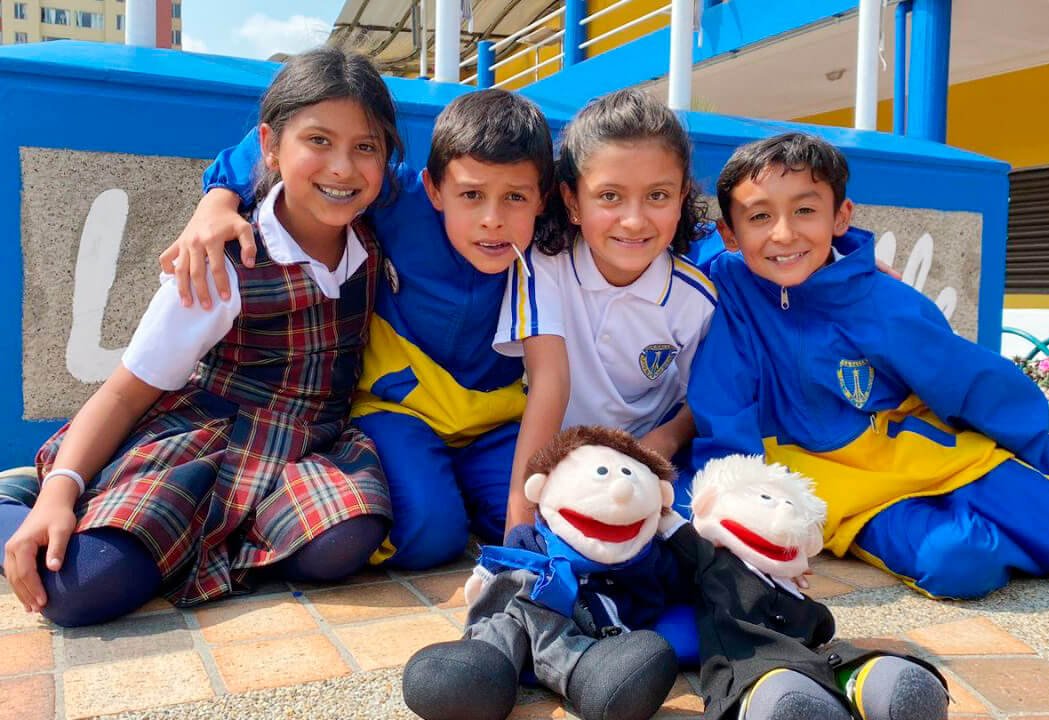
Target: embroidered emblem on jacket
x=856, y=378
x=655, y=359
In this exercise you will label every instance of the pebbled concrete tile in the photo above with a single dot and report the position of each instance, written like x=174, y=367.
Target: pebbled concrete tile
x=365, y=602
x=131, y=637
x=28, y=698
x=1012, y=685
x=253, y=620
x=135, y=684
x=391, y=642
x=973, y=636
x=13, y=616
x=279, y=662
x=853, y=571
x=681, y=702
x=824, y=587
x=444, y=591
x=26, y=652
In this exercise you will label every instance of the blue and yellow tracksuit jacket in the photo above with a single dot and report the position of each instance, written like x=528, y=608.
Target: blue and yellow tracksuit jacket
x=856, y=380
x=429, y=353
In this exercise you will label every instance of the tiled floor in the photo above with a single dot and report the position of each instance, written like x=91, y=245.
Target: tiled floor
x=306, y=649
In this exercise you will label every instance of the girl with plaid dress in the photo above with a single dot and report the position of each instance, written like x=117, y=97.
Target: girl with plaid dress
x=222, y=443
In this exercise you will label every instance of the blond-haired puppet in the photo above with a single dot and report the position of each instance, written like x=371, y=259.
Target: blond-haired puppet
x=768, y=651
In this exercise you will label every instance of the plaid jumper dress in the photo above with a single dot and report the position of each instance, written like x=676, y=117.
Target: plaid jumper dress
x=255, y=456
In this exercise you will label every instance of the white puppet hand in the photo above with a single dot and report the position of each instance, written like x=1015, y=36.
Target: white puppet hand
x=475, y=584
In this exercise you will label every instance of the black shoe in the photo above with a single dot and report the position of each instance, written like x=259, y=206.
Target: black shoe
x=460, y=680
x=626, y=677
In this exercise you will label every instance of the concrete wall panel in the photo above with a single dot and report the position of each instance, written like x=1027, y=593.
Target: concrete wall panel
x=92, y=226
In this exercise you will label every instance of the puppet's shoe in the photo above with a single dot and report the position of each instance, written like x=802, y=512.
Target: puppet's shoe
x=626, y=677
x=892, y=688
x=788, y=695
x=460, y=680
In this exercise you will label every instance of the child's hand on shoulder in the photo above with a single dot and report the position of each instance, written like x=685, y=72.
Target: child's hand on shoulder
x=200, y=247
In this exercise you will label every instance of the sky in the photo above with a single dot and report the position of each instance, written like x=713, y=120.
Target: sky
x=256, y=28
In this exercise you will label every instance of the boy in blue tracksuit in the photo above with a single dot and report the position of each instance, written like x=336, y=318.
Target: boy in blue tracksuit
x=442, y=407
x=930, y=451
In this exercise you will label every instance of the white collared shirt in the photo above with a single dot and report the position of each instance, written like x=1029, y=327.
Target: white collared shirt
x=171, y=339
x=629, y=348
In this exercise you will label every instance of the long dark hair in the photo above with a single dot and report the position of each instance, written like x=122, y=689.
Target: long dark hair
x=629, y=116
x=327, y=73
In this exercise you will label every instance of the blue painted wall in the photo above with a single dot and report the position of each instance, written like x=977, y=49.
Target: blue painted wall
x=167, y=103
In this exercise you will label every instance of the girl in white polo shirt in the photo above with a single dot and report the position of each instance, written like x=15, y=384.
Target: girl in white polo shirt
x=609, y=323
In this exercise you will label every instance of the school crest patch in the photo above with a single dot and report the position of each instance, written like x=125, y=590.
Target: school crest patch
x=656, y=358
x=856, y=378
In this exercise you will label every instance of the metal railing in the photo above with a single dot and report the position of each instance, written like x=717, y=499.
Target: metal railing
x=664, y=10
x=570, y=31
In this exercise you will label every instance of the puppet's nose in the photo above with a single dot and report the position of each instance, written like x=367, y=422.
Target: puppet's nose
x=621, y=490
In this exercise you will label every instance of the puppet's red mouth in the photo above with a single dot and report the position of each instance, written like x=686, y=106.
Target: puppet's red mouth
x=601, y=531
x=755, y=542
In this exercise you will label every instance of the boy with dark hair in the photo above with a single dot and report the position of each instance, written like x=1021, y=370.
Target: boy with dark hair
x=441, y=406
x=930, y=451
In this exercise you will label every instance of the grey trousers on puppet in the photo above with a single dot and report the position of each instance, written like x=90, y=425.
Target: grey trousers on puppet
x=624, y=677
x=506, y=616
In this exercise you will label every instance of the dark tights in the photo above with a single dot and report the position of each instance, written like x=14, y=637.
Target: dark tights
x=108, y=573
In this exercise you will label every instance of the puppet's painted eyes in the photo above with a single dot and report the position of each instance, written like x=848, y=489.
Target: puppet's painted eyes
x=789, y=502
x=625, y=471
x=602, y=470
x=765, y=497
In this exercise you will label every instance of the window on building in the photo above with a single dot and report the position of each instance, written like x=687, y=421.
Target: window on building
x=120, y=22
x=20, y=11
x=86, y=19
x=21, y=38
x=54, y=16
x=176, y=10
x=176, y=37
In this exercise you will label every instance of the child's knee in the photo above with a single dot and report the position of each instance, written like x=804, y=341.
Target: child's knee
x=428, y=541
x=338, y=552
x=962, y=560
x=893, y=688
x=105, y=574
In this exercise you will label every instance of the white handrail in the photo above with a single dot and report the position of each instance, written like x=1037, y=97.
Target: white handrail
x=604, y=11
x=510, y=58
x=468, y=61
x=470, y=79
x=632, y=23
x=530, y=69
x=528, y=28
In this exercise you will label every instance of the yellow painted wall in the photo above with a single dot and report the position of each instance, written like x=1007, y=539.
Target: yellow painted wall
x=605, y=23
x=1003, y=116
x=531, y=59
x=621, y=16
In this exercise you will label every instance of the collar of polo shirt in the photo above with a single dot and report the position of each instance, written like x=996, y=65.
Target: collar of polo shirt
x=651, y=286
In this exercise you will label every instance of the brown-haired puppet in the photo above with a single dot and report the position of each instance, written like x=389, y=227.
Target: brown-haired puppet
x=767, y=650
x=564, y=592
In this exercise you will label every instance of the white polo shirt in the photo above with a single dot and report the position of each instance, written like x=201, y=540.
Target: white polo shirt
x=171, y=339
x=629, y=348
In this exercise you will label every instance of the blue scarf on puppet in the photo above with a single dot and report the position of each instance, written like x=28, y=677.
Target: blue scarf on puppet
x=637, y=586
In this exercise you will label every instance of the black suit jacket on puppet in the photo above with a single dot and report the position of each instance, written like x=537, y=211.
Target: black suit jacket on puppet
x=748, y=627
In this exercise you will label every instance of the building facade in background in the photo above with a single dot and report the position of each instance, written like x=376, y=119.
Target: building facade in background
x=26, y=21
